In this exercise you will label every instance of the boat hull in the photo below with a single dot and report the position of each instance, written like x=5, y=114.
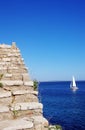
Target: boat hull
x=74, y=88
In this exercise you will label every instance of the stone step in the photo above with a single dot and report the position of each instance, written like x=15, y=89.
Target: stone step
x=21, y=106
x=7, y=92
x=12, y=83
x=16, y=88
x=25, y=96
x=35, y=122
x=20, y=110
x=17, y=124
x=4, y=108
x=8, y=96
x=29, y=83
x=40, y=119
x=40, y=123
x=20, y=92
x=16, y=83
x=6, y=101
x=4, y=94
x=26, y=106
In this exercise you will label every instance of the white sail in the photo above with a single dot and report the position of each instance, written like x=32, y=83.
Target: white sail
x=73, y=85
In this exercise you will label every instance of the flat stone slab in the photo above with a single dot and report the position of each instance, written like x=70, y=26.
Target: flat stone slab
x=12, y=83
x=25, y=76
x=29, y=83
x=6, y=59
x=35, y=92
x=8, y=75
x=16, y=82
x=5, y=94
x=26, y=106
x=4, y=108
x=17, y=124
x=20, y=92
x=14, y=54
x=39, y=120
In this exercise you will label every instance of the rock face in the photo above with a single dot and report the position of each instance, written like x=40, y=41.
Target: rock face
x=19, y=106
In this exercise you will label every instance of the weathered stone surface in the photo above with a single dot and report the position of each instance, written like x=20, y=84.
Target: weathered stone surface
x=40, y=123
x=7, y=75
x=6, y=59
x=19, y=70
x=13, y=45
x=16, y=76
x=5, y=94
x=13, y=54
x=25, y=98
x=3, y=68
x=4, y=108
x=29, y=83
x=39, y=127
x=26, y=106
x=2, y=63
x=17, y=83
x=28, y=113
x=20, y=92
x=15, y=50
x=34, y=92
x=17, y=124
x=17, y=93
x=6, y=100
x=25, y=77
x=5, y=115
x=12, y=83
x=39, y=120
x=14, y=67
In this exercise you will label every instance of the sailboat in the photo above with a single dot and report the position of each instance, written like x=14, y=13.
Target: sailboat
x=73, y=85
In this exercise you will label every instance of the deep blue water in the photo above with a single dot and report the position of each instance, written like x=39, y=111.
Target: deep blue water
x=63, y=106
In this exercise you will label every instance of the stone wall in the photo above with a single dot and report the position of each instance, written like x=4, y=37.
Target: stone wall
x=19, y=106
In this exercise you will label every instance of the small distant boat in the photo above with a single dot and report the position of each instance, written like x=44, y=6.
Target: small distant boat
x=73, y=85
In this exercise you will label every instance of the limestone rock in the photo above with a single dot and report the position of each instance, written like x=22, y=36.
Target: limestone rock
x=6, y=59
x=4, y=108
x=29, y=83
x=5, y=94
x=26, y=106
x=8, y=75
x=12, y=83
x=20, y=92
x=25, y=77
x=25, y=98
x=17, y=124
x=17, y=93
x=40, y=119
x=6, y=100
x=13, y=45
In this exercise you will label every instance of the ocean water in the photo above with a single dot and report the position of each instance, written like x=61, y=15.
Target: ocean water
x=63, y=106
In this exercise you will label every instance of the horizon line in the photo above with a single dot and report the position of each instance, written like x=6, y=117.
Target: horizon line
x=58, y=80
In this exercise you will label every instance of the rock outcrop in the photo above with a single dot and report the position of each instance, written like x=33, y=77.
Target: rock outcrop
x=19, y=106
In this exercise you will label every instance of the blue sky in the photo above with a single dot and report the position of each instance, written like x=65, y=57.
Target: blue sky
x=50, y=35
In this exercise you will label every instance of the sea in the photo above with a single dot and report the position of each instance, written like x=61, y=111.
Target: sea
x=62, y=106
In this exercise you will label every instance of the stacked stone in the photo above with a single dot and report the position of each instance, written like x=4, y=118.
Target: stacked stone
x=19, y=106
